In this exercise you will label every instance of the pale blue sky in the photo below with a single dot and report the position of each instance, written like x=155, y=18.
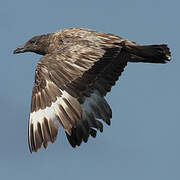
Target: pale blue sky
x=143, y=140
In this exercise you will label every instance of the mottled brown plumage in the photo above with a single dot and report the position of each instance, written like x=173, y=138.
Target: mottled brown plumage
x=78, y=68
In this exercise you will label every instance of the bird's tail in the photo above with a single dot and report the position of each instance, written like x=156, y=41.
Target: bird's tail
x=149, y=53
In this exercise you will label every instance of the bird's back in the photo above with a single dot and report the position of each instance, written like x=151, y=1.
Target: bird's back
x=96, y=37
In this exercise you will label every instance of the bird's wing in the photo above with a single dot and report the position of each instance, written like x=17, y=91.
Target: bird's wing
x=95, y=106
x=111, y=74
x=64, y=81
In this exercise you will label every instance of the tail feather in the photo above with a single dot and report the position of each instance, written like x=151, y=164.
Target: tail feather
x=149, y=53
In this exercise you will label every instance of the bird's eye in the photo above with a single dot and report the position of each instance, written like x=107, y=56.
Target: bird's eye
x=33, y=41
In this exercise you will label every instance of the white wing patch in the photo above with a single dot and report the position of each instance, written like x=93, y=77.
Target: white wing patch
x=42, y=125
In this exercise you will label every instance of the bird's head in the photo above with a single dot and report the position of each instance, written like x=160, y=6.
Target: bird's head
x=37, y=44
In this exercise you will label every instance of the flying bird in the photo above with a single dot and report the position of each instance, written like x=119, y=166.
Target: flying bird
x=78, y=68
